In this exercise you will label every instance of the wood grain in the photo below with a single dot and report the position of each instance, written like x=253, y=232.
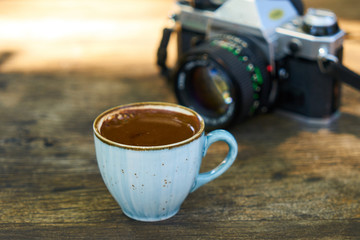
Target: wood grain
x=290, y=180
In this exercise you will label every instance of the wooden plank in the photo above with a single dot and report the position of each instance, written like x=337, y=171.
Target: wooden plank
x=290, y=180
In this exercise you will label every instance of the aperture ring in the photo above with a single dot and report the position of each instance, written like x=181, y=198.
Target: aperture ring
x=240, y=49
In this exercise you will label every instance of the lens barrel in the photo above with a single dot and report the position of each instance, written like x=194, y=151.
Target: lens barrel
x=225, y=80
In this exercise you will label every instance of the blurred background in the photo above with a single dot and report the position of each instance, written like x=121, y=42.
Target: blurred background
x=106, y=36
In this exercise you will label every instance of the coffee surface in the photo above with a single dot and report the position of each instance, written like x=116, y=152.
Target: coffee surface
x=148, y=127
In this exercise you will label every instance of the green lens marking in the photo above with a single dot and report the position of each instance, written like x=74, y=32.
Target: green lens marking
x=250, y=67
x=260, y=80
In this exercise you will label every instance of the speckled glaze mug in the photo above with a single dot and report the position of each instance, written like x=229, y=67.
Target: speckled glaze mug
x=151, y=182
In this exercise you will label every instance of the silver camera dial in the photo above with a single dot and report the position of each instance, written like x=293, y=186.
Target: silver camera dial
x=320, y=22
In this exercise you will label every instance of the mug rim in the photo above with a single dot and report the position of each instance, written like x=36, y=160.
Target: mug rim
x=156, y=104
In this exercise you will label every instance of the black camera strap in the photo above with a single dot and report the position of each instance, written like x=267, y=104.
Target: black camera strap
x=345, y=75
x=331, y=66
x=162, y=52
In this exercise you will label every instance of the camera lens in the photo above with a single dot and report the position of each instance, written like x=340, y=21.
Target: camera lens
x=225, y=80
x=211, y=89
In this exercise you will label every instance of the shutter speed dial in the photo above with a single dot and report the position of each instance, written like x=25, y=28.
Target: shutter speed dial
x=320, y=22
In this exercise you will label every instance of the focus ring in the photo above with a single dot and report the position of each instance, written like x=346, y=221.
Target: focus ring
x=243, y=88
x=245, y=68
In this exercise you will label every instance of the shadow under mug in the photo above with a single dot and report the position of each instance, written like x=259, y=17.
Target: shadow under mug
x=150, y=183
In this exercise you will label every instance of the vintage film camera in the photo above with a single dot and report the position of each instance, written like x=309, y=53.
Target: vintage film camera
x=237, y=58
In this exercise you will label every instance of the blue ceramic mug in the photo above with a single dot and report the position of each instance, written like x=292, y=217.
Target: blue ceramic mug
x=151, y=182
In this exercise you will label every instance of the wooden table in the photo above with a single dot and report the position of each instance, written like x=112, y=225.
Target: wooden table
x=290, y=180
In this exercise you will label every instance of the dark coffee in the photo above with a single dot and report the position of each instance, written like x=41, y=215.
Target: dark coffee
x=148, y=127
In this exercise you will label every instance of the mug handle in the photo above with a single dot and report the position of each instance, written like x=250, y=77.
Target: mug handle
x=214, y=136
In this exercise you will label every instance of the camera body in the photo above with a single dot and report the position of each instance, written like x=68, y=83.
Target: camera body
x=237, y=58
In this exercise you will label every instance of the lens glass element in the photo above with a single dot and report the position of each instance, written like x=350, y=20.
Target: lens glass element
x=211, y=89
